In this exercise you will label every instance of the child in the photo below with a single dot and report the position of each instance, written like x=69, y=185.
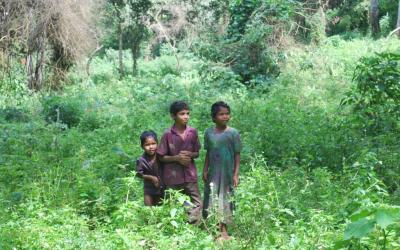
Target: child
x=178, y=147
x=221, y=167
x=148, y=168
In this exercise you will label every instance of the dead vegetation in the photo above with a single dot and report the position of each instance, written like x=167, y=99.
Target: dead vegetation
x=51, y=34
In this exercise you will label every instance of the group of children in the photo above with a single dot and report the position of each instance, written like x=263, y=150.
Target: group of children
x=170, y=164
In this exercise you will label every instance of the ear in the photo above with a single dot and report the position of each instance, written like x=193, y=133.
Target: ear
x=173, y=116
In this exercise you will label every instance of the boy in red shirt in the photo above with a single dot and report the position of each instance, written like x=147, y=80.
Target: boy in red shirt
x=178, y=148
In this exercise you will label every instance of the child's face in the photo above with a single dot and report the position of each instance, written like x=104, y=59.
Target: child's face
x=150, y=146
x=222, y=117
x=182, y=117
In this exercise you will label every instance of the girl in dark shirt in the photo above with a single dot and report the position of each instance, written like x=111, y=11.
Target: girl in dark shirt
x=148, y=168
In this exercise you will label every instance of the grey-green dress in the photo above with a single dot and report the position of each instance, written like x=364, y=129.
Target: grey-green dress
x=218, y=189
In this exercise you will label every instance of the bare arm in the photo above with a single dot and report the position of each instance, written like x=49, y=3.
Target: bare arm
x=205, y=169
x=151, y=178
x=192, y=155
x=181, y=158
x=236, y=169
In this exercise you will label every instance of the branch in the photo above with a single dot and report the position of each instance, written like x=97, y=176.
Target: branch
x=167, y=38
x=394, y=31
x=91, y=58
x=4, y=37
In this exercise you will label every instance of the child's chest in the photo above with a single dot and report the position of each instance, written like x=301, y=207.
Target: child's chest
x=217, y=141
x=179, y=143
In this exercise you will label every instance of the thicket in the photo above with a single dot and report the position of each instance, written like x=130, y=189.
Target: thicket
x=319, y=119
x=310, y=176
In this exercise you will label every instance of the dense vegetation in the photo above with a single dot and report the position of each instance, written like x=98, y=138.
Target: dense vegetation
x=318, y=115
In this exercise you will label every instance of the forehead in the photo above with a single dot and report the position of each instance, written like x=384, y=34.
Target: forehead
x=222, y=110
x=149, y=139
x=183, y=111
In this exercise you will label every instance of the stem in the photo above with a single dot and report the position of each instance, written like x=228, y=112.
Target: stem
x=384, y=239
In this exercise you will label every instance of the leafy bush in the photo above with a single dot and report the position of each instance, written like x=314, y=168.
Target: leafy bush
x=12, y=114
x=377, y=80
x=62, y=110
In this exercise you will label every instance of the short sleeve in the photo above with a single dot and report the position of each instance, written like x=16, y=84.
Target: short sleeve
x=196, y=142
x=237, y=143
x=206, y=140
x=140, y=168
x=162, y=149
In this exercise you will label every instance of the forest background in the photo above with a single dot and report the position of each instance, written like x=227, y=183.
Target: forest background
x=314, y=87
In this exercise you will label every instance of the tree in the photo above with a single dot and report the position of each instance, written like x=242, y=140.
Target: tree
x=118, y=6
x=398, y=21
x=137, y=29
x=374, y=17
x=52, y=33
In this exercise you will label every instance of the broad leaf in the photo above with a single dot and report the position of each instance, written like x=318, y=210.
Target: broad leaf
x=359, y=228
x=360, y=214
x=387, y=216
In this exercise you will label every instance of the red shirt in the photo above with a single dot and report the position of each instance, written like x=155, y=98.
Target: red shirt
x=171, y=144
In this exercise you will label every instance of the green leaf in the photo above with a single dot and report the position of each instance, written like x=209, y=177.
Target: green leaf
x=387, y=216
x=360, y=214
x=341, y=244
x=174, y=223
x=359, y=229
x=173, y=212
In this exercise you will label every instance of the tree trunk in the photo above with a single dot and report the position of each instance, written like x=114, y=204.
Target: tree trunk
x=35, y=69
x=135, y=55
x=398, y=21
x=36, y=55
x=120, y=47
x=374, y=18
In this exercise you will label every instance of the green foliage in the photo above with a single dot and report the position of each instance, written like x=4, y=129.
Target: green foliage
x=61, y=110
x=352, y=16
x=308, y=168
x=377, y=79
x=12, y=114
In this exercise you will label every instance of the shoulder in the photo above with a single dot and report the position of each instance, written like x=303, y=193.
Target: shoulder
x=234, y=131
x=209, y=131
x=192, y=130
x=141, y=160
x=166, y=132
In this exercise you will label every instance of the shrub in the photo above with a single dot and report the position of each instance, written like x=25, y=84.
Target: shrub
x=60, y=110
x=12, y=114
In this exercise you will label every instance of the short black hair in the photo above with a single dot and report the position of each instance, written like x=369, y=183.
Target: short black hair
x=147, y=134
x=178, y=106
x=217, y=106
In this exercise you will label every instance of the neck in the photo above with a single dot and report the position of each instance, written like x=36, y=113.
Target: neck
x=180, y=127
x=151, y=157
x=220, y=127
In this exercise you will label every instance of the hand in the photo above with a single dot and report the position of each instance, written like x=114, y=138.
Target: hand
x=156, y=182
x=186, y=153
x=235, y=180
x=184, y=160
x=205, y=173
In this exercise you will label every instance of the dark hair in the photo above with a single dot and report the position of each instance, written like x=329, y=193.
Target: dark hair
x=178, y=106
x=147, y=134
x=217, y=106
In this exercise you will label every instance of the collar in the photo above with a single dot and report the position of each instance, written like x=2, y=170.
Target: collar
x=174, y=130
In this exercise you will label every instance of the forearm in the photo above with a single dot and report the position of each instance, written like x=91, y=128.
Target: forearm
x=190, y=154
x=236, y=164
x=194, y=155
x=169, y=158
x=206, y=163
x=148, y=177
